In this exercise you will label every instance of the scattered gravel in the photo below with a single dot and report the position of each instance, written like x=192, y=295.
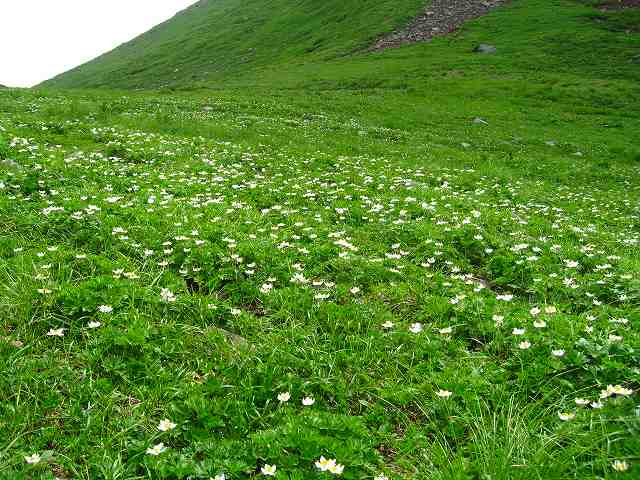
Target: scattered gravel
x=619, y=4
x=441, y=17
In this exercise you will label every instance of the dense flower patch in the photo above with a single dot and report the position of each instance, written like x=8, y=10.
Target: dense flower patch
x=187, y=307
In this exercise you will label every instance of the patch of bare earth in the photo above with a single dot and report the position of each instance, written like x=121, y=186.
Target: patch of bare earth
x=619, y=4
x=440, y=17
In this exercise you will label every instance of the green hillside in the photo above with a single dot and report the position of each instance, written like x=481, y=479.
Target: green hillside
x=214, y=38
x=305, y=43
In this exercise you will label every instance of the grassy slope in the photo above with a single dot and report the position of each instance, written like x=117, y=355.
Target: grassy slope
x=312, y=44
x=558, y=76
x=221, y=37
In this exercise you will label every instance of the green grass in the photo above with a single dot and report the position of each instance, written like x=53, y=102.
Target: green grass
x=535, y=39
x=219, y=38
x=363, y=172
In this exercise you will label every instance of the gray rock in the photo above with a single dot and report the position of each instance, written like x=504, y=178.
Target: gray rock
x=9, y=163
x=485, y=48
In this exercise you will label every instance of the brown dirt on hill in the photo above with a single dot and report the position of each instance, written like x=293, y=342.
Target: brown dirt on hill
x=441, y=17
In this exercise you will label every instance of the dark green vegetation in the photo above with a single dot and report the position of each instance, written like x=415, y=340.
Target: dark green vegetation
x=343, y=230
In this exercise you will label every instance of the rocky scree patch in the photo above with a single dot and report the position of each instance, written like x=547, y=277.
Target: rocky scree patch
x=440, y=17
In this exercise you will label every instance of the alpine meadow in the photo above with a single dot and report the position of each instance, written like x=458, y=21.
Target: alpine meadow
x=316, y=239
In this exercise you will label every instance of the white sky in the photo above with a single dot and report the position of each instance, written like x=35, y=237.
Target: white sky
x=41, y=38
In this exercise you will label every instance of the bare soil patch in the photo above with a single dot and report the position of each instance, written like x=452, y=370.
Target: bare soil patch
x=619, y=4
x=441, y=17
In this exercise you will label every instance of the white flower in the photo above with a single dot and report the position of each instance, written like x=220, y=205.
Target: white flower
x=518, y=331
x=94, y=324
x=166, y=425
x=534, y=311
x=308, y=401
x=581, y=401
x=388, y=324
x=56, y=332
x=415, y=328
x=381, y=477
x=444, y=393
x=284, y=397
x=557, y=353
x=156, y=449
x=504, y=298
x=620, y=466
x=355, y=290
x=336, y=469
x=550, y=310
x=445, y=331
x=571, y=263
x=524, y=345
x=269, y=470
x=566, y=416
x=615, y=390
x=167, y=295
x=539, y=324
x=220, y=476
x=105, y=309
x=299, y=278
x=32, y=459
x=325, y=464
